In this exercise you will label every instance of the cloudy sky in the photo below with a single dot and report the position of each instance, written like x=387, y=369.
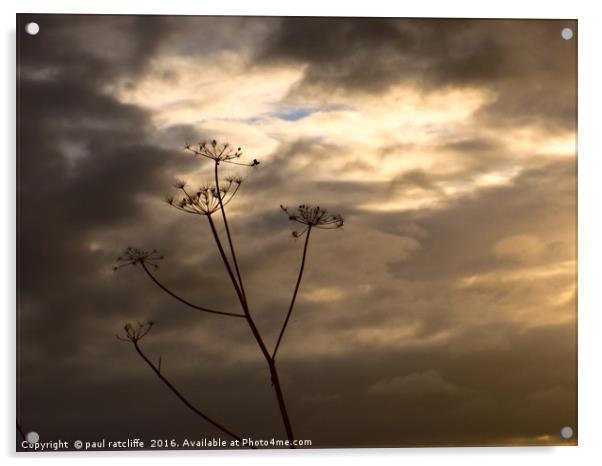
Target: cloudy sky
x=444, y=313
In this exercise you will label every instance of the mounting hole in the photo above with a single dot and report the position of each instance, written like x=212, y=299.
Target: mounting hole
x=32, y=28
x=566, y=432
x=566, y=33
x=32, y=437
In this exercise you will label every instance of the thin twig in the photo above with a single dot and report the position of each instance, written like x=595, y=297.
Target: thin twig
x=20, y=430
x=199, y=205
x=290, y=308
x=257, y=335
x=182, y=398
x=221, y=204
x=226, y=262
x=182, y=300
x=243, y=302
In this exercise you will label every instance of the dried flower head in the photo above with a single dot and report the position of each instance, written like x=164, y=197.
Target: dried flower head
x=219, y=152
x=133, y=256
x=313, y=217
x=134, y=333
x=206, y=199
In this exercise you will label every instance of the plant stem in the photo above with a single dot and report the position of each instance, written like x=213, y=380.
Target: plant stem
x=222, y=253
x=181, y=397
x=221, y=205
x=20, y=430
x=292, y=305
x=266, y=354
x=182, y=300
x=281, y=403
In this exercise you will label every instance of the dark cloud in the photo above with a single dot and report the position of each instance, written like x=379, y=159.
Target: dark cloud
x=83, y=165
x=536, y=202
x=526, y=63
x=94, y=47
x=479, y=145
x=373, y=53
x=454, y=404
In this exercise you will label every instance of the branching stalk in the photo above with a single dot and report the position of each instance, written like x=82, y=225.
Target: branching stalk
x=206, y=201
x=230, y=243
x=256, y=334
x=182, y=398
x=20, y=430
x=226, y=262
x=182, y=300
x=292, y=305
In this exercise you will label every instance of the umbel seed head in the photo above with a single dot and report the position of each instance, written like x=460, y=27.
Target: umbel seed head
x=134, y=333
x=219, y=152
x=206, y=199
x=134, y=256
x=312, y=217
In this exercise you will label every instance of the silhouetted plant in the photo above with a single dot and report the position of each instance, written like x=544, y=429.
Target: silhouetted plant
x=133, y=334
x=206, y=201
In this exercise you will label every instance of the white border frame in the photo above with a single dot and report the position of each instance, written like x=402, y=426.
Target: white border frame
x=590, y=225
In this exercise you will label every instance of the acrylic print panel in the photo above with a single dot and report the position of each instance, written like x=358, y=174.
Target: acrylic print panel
x=262, y=232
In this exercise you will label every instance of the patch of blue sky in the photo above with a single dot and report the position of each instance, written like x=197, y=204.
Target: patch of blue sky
x=298, y=113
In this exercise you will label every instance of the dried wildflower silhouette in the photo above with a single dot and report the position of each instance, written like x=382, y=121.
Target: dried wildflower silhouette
x=313, y=217
x=219, y=152
x=133, y=256
x=206, y=201
x=133, y=334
